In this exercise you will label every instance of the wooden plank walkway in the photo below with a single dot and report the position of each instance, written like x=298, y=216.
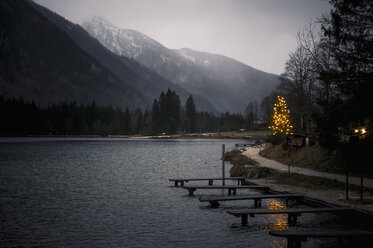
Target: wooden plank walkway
x=245, y=145
x=231, y=188
x=214, y=200
x=240, y=180
x=292, y=213
x=294, y=238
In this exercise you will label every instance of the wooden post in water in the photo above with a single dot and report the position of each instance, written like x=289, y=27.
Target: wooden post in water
x=347, y=185
x=223, y=163
x=361, y=187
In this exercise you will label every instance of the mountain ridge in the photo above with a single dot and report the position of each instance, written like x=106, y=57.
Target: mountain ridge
x=35, y=64
x=49, y=60
x=225, y=82
x=147, y=81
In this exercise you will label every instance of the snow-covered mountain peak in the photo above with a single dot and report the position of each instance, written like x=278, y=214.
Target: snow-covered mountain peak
x=226, y=83
x=124, y=42
x=199, y=58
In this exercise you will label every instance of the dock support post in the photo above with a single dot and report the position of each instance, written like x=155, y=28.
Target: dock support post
x=223, y=163
x=361, y=187
x=191, y=191
x=292, y=219
x=257, y=203
x=244, y=219
x=294, y=243
x=347, y=185
x=214, y=204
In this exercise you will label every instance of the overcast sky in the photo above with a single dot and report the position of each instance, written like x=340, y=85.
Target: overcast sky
x=259, y=33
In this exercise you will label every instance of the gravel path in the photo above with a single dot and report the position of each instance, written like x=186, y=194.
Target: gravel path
x=253, y=153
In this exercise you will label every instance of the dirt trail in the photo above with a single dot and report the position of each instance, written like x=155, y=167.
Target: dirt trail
x=253, y=153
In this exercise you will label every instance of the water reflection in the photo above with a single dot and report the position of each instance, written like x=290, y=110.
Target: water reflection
x=278, y=222
x=281, y=243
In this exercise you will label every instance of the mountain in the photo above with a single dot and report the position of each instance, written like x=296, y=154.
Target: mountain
x=47, y=59
x=145, y=80
x=228, y=84
x=39, y=62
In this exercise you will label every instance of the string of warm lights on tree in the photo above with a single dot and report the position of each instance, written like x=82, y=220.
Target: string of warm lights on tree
x=281, y=118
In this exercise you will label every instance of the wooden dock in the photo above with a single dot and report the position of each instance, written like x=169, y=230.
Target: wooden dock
x=295, y=238
x=231, y=189
x=292, y=213
x=245, y=145
x=214, y=200
x=240, y=180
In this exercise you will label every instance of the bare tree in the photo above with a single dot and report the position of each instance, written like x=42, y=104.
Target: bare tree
x=298, y=85
x=322, y=62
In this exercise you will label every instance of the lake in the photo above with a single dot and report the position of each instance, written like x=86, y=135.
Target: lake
x=98, y=192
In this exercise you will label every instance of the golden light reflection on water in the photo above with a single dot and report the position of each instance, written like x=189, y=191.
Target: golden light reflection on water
x=278, y=222
x=278, y=243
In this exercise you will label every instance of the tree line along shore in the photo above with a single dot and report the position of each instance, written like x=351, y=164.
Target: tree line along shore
x=166, y=117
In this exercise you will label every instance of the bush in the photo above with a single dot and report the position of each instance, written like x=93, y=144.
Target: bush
x=259, y=172
x=236, y=158
x=241, y=163
x=276, y=139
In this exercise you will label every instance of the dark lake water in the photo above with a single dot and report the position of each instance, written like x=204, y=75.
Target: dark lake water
x=60, y=192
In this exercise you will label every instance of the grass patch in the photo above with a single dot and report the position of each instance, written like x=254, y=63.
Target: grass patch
x=306, y=181
x=312, y=157
x=236, y=158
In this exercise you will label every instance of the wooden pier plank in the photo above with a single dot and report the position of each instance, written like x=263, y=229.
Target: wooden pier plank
x=206, y=178
x=292, y=213
x=245, y=197
x=214, y=200
x=321, y=234
x=286, y=211
x=226, y=187
x=210, y=180
x=244, y=145
x=295, y=238
x=231, y=188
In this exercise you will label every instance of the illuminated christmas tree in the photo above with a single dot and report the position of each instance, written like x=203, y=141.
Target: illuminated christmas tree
x=281, y=118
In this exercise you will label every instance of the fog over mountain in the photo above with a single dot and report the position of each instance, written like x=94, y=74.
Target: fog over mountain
x=226, y=83
x=259, y=33
x=49, y=60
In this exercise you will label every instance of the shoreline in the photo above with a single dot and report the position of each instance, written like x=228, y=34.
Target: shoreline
x=332, y=195
x=173, y=136
x=329, y=195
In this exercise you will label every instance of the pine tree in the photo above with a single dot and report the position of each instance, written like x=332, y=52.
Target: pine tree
x=127, y=122
x=139, y=123
x=156, y=123
x=281, y=118
x=191, y=115
x=170, y=108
